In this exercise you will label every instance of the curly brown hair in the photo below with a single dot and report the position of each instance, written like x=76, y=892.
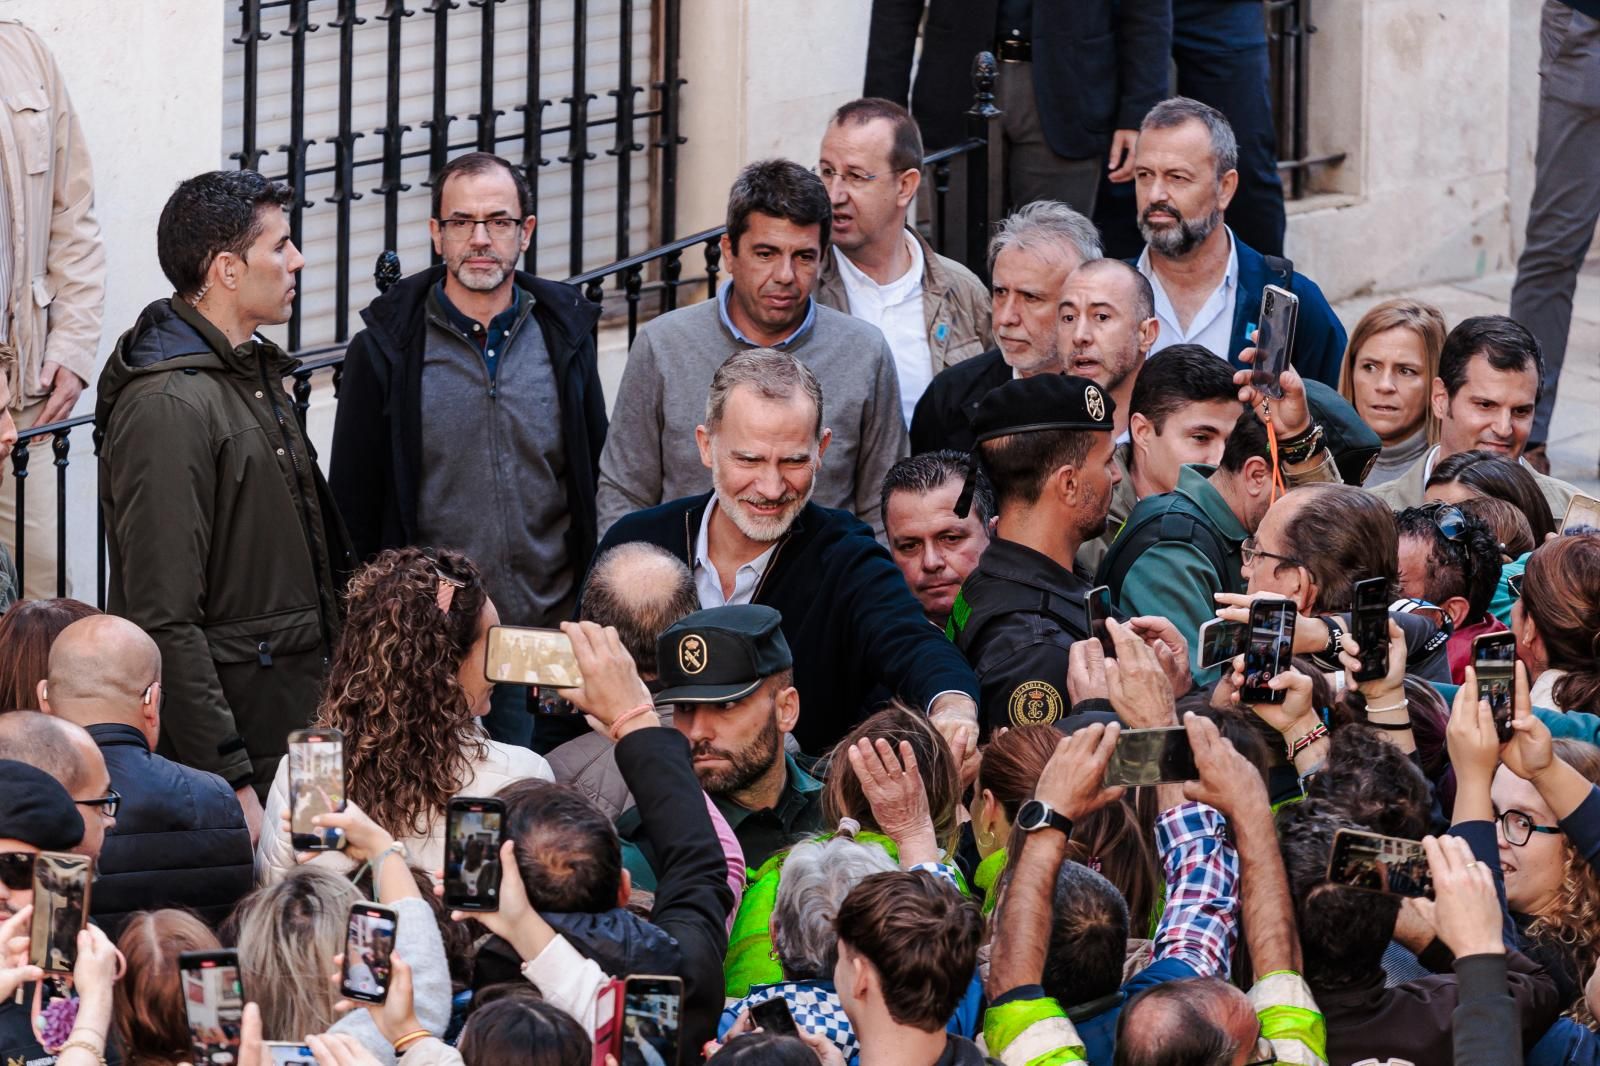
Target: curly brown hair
x=409, y=736
x=1572, y=920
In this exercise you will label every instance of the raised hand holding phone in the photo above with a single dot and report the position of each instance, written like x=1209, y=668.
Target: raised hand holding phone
x=1474, y=749
x=15, y=970
x=1465, y=909
x=1071, y=782
x=611, y=687
x=1140, y=689
x=396, y=1016
x=516, y=921
x=1228, y=781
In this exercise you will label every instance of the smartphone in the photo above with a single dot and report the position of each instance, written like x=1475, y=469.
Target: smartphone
x=1494, y=660
x=1376, y=863
x=213, y=999
x=60, y=907
x=1097, y=604
x=1269, y=650
x=607, y=1035
x=1583, y=515
x=1220, y=640
x=1369, y=624
x=650, y=1006
x=518, y=655
x=281, y=1053
x=472, y=838
x=1152, y=757
x=368, y=943
x=773, y=1016
x=316, y=786
x=1280, y=310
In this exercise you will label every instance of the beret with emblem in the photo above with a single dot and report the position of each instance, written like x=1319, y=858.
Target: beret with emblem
x=721, y=654
x=1032, y=405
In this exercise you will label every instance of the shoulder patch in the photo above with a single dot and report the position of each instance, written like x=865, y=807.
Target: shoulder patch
x=1034, y=703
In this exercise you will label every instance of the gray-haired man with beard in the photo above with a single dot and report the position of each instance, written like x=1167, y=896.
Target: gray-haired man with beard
x=729, y=678
x=1207, y=282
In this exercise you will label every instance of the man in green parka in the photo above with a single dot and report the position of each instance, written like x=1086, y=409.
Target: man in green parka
x=223, y=543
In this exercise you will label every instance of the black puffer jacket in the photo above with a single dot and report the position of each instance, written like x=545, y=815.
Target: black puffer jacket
x=180, y=840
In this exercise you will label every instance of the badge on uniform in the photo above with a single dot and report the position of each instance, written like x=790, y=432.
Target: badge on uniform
x=1034, y=703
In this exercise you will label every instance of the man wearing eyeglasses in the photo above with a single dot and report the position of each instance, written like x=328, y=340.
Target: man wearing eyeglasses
x=105, y=675
x=933, y=311
x=471, y=412
x=67, y=753
x=1451, y=558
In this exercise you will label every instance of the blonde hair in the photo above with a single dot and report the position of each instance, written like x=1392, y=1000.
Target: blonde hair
x=288, y=934
x=1422, y=319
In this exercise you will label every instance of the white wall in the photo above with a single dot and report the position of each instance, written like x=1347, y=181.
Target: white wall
x=145, y=78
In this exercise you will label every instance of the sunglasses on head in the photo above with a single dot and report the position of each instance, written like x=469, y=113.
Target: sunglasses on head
x=16, y=871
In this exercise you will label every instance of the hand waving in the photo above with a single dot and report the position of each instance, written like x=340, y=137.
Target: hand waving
x=894, y=790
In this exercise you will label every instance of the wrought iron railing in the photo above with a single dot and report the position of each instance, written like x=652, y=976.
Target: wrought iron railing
x=1289, y=33
x=958, y=227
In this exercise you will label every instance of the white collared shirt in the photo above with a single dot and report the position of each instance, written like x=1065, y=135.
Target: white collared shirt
x=896, y=309
x=1212, y=325
x=708, y=583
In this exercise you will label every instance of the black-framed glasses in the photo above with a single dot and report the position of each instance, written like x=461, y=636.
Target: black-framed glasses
x=1514, y=583
x=1251, y=549
x=460, y=229
x=1447, y=519
x=16, y=870
x=109, y=804
x=1519, y=827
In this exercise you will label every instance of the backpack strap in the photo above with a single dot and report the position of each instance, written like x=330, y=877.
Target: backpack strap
x=1282, y=271
x=1180, y=520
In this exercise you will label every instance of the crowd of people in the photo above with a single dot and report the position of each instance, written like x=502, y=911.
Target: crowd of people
x=874, y=580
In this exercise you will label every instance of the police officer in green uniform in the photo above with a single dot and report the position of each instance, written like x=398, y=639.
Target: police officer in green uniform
x=1047, y=445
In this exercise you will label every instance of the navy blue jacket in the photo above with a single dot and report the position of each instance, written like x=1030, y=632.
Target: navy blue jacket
x=180, y=839
x=848, y=616
x=1319, y=337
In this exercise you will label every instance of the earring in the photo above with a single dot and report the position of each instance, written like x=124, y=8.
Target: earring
x=984, y=840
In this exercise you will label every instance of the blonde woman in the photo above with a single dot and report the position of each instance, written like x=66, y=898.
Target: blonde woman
x=1388, y=373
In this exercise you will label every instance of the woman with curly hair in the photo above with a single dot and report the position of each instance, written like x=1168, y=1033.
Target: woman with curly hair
x=407, y=690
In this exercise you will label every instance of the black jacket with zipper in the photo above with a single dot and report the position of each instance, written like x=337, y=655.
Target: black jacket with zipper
x=375, y=468
x=222, y=541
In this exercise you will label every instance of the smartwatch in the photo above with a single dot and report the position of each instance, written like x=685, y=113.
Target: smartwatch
x=1035, y=816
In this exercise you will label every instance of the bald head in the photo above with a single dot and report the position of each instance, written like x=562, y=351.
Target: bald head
x=641, y=589
x=1201, y=1019
x=1133, y=286
x=101, y=669
x=69, y=754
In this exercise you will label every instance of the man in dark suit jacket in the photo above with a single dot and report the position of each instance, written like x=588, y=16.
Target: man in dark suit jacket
x=852, y=624
x=1075, y=81
x=180, y=838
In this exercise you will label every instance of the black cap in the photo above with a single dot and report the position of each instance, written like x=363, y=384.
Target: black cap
x=1032, y=405
x=721, y=654
x=36, y=810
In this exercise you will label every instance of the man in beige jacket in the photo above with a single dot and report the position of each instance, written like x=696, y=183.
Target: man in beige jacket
x=52, y=271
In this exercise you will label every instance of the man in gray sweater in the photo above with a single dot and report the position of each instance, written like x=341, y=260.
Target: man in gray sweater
x=779, y=217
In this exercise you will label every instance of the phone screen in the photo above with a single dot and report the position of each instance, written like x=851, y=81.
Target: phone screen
x=1494, y=659
x=1369, y=624
x=1583, y=516
x=472, y=854
x=1280, y=309
x=316, y=786
x=773, y=1016
x=60, y=907
x=290, y=1054
x=1097, y=602
x=1269, y=651
x=368, y=944
x=1152, y=757
x=1380, y=864
x=650, y=1018
x=213, y=999
x=1220, y=640
x=521, y=656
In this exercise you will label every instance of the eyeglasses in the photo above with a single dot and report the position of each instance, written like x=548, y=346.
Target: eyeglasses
x=1250, y=549
x=1514, y=583
x=16, y=871
x=855, y=179
x=1447, y=519
x=459, y=229
x=1519, y=828
x=109, y=804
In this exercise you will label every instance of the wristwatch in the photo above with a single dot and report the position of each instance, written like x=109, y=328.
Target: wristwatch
x=1035, y=816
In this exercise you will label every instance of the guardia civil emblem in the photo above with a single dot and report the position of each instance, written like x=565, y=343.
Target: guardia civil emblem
x=1034, y=703
x=1094, y=402
x=692, y=653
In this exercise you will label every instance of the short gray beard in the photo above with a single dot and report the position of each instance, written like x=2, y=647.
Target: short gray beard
x=764, y=530
x=1178, y=241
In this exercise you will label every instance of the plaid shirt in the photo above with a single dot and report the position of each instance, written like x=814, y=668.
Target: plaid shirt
x=1201, y=920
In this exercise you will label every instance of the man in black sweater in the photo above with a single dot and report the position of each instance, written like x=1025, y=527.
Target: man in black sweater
x=853, y=626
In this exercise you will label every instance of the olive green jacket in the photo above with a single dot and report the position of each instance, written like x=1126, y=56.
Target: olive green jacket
x=223, y=542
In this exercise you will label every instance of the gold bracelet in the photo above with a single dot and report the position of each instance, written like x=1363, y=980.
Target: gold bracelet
x=97, y=1052
x=415, y=1036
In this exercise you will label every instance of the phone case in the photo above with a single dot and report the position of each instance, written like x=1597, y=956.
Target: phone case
x=51, y=946
x=608, y=1022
